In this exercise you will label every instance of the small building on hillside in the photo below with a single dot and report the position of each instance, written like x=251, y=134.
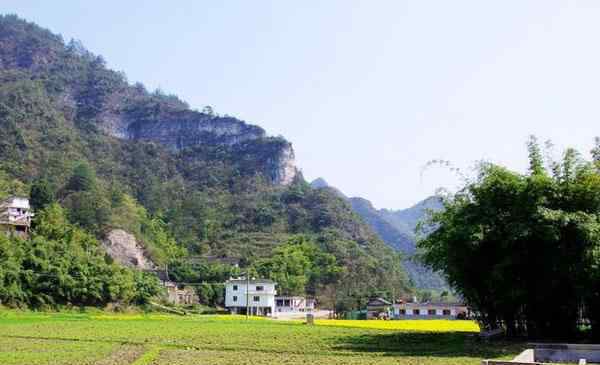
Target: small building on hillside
x=378, y=308
x=257, y=296
x=429, y=310
x=15, y=216
x=181, y=295
x=294, y=304
x=176, y=293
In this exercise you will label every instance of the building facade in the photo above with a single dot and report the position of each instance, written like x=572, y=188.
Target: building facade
x=429, y=310
x=257, y=296
x=294, y=304
x=378, y=308
x=15, y=216
x=180, y=295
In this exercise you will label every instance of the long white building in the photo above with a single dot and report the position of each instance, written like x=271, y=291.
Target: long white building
x=258, y=295
x=428, y=310
x=294, y=304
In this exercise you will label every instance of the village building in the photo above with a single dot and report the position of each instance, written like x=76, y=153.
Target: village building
x=15, y=216
x=429, y=310
x=255, y=296
x=378, y=308
x=180, y=295
x=176, y=293
x=294, y=304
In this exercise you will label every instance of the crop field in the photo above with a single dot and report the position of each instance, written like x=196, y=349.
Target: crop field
x=70, y=339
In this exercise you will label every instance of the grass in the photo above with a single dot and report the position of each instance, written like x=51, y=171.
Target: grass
x=68, y=339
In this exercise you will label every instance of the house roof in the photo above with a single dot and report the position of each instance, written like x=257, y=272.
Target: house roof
x=378, y=301
x=16, y=202
x=251, y=281
x=436, y=304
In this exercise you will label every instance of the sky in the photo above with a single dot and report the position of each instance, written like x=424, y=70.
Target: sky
x=368, y=92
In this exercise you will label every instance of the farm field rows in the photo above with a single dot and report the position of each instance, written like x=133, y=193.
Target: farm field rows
x=69, y=339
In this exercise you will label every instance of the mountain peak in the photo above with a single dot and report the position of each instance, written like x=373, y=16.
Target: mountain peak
x=319, y=183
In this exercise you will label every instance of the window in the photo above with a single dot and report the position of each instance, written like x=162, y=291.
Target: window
x=402, y=312
x=287, y=303
x=416, y=312
x=446, y=312
x=260, y=288
x=279, y=303
x=256, y=298
x=235, y=288
x=235, y=298
x=431, y=312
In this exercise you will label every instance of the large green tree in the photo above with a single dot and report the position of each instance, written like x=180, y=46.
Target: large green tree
x=299, y=266
x=520, y=248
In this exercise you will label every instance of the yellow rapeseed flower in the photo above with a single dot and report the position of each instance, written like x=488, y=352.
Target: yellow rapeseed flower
x=434, y=325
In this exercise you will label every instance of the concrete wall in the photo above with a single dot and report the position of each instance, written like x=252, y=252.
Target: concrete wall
x=266, y=297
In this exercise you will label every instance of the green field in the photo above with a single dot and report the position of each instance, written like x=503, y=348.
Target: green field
x=27, y=338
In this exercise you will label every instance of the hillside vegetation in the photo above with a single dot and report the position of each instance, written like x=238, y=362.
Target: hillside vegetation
x=397, y=228
x=79, y=138
x=523, y=249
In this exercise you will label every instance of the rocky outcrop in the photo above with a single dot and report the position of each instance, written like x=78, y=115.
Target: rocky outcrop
x=124, y=249
x=179, y=128
x=285, y=168
x=189, y=129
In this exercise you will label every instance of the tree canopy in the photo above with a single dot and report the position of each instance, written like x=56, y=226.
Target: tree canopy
x=522, y=249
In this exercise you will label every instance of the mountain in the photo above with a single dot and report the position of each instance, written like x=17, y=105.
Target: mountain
x=183, y=182
x=397, y=229
x=406, y=220
x=321, y=183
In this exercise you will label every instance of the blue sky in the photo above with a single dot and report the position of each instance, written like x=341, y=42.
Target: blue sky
x=367, y=91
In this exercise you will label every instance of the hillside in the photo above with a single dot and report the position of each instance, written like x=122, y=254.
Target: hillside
x=185, y=183
x=397, y=229
x=406, y=220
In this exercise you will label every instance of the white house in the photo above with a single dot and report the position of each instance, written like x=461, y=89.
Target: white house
x=258, y=295
x=294, y=304
x=428, y=310
x=15, y=215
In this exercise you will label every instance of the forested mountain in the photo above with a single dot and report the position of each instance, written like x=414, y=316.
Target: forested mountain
x=184, y=182
x=397, y=229
x=406, y=220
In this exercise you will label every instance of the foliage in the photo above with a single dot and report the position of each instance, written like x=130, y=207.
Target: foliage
x=62, y=264
x=41, y=194
x=300, y=266
x=82, y=179
x=519, y=248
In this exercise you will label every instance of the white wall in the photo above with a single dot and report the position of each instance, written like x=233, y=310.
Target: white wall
x=266, y=296
x=19, y=203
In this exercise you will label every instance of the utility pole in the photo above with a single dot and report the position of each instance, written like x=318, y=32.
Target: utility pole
x=247, y=292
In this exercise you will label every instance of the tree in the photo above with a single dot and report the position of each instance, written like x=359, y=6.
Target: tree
x=208, y=110
x=299, y=266
x=89, y=209
x=62, y=264
x=512, y=243
x=536, y=160
x=41, y=194
x=83, y=178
